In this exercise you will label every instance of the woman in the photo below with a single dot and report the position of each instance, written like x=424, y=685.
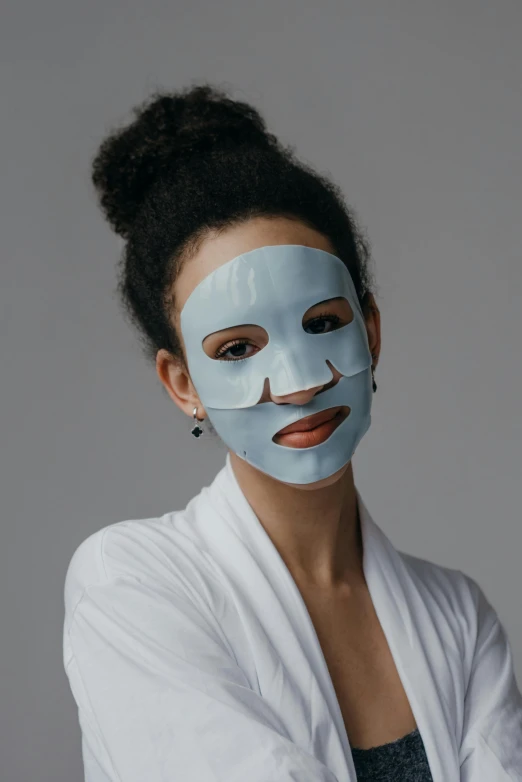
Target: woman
x=268, y=632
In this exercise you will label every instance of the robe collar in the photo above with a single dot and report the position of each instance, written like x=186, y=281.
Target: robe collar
x=401, y=610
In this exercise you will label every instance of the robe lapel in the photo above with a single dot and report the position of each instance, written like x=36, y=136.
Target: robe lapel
x=416, y=647
x=271, y=595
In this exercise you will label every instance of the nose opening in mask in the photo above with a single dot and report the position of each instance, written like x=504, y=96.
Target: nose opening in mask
x=266, y=395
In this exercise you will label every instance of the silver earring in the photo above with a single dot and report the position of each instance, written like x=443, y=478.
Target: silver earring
x=196, y=430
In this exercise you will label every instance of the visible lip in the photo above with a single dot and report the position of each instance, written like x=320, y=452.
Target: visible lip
x=311, y=421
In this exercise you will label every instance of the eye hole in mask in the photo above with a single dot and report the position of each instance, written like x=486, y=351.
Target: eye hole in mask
x=335, y=313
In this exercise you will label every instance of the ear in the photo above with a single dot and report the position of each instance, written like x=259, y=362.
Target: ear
x=176, y=380
x=372, y=318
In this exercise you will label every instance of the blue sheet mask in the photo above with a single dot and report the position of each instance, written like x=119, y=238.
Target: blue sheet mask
x=273, y=287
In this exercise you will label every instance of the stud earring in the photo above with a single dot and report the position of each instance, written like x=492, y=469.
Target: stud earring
x=196, y=429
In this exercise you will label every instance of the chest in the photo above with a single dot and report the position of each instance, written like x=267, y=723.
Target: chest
x=372, y=699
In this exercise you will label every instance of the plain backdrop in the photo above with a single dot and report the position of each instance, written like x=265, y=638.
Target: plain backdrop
x=415, y=109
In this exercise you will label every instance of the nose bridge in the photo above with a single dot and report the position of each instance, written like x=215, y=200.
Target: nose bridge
x=296, y=367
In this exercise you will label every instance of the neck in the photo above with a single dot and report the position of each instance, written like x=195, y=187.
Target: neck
x=315, y=530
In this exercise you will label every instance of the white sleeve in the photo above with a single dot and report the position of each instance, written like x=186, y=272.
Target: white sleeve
x=491, y=747
x=161, y=697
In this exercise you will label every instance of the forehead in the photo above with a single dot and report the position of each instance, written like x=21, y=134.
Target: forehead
x=221, y=247
x=271, y=286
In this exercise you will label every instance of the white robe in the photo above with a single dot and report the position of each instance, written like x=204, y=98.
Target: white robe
x=192, y=657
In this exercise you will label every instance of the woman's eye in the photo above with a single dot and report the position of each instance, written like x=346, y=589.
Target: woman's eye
x=317, y=324
x=238, y=347
x=237, y=350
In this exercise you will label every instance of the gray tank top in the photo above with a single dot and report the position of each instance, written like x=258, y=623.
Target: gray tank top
x=403, y=760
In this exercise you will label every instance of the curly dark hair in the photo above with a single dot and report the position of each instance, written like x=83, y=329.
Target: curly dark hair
x=193, y=162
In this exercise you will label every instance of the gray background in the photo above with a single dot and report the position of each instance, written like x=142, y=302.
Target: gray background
x=415, y=109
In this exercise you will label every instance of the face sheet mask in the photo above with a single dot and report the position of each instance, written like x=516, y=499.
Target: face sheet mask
x=273, y=287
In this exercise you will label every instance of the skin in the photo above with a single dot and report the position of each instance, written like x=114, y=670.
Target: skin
x=315, y=527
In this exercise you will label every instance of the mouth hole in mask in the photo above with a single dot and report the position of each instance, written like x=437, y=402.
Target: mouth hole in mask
x=332, y=418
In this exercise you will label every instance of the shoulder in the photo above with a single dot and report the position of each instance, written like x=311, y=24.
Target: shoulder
x=157, y=550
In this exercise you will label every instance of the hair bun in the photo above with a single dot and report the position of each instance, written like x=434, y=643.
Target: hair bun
x=167, y=128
